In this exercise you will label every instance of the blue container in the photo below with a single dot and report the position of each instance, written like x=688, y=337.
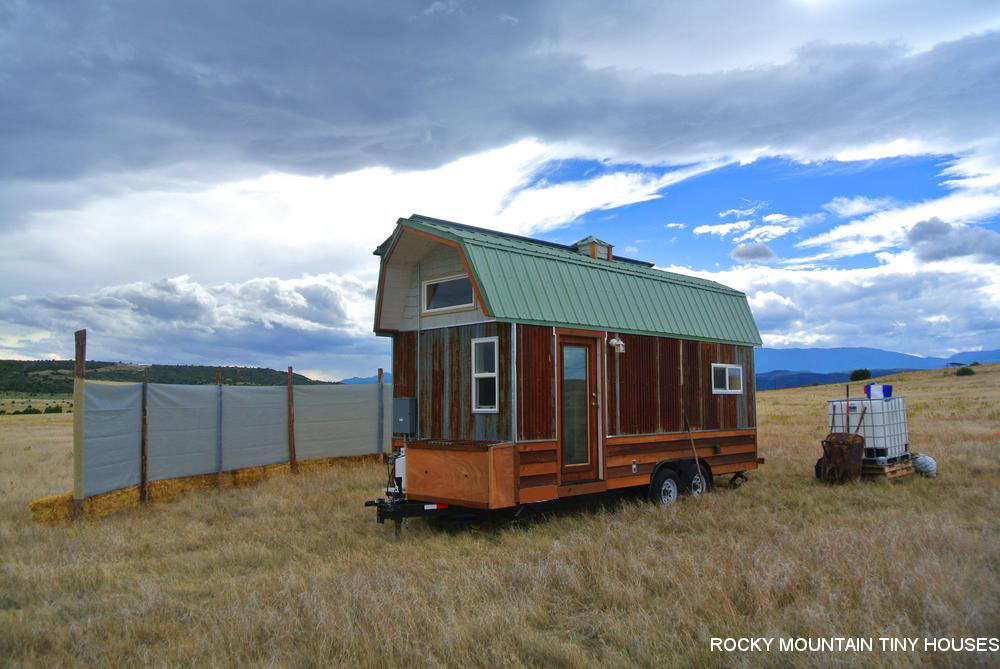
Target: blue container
x=877, y=391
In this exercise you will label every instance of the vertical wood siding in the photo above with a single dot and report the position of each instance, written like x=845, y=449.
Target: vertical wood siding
x=445, y=393
x=404, y=364
x=535, y=371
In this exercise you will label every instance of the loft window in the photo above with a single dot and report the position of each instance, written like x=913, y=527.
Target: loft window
x=485, y=384
x=727, y=379
x=453, y=292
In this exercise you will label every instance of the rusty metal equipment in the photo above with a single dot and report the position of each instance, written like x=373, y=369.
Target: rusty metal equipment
x=843, y=452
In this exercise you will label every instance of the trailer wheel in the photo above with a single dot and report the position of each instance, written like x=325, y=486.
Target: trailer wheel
x=665, y=488
x=695, y=483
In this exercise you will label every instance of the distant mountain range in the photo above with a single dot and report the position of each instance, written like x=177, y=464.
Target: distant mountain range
x=354, y=380
x=828, y=360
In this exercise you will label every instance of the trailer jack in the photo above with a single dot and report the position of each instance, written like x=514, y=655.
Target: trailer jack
x=738, y=479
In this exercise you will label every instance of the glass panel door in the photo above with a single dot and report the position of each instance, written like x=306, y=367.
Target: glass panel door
x=578, y=406
x=575, y=405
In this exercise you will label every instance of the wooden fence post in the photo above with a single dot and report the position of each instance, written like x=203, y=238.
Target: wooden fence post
x=218, y=427
x=143, y=440
x=292, y=461
x=381, y=414
x=79, y=372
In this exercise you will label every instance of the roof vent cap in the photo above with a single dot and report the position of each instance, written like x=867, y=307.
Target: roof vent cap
x=594, y=247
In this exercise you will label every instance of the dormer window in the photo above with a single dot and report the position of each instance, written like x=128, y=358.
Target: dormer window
x=447, y=294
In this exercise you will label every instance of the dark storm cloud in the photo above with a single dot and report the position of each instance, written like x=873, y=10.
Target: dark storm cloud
x=752, y=253
x=327, y=87
x=934, y=239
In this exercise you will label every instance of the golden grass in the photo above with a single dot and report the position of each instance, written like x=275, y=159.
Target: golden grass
x=295, y=572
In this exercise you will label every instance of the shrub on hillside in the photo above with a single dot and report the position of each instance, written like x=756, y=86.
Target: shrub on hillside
x=55, y=408
x=860, y=375
x=965, y=371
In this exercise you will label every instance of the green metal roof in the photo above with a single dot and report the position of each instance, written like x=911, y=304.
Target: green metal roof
x=533, y=281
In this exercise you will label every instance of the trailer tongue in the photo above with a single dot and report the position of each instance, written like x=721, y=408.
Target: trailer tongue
x=396, y=507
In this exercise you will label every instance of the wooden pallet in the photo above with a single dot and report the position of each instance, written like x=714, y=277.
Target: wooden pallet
x=889, y=472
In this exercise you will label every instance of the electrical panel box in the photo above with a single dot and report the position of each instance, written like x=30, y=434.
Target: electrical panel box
x=404, y=415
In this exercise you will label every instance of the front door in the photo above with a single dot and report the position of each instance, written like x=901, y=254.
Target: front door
x=578, y=405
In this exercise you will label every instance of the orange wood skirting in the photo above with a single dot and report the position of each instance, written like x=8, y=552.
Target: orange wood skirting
x=540, y=493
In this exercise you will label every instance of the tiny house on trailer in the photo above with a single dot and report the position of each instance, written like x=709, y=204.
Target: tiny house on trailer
x=526, y=371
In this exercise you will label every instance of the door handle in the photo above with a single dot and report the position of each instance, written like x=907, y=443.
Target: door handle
x=594, y=402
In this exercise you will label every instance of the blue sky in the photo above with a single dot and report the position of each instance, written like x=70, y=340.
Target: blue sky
x=769, y=186
x=212, y=193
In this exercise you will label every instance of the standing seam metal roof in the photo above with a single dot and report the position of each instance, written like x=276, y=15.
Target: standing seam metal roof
x=533, y=281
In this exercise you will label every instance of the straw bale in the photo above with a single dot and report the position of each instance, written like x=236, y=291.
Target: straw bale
x=56, y=509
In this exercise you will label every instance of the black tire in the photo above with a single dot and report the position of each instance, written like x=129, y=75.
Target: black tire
x=691, y=483
x=666, y=487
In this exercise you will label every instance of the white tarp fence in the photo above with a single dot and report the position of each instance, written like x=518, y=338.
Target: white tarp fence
x=182, y=430
x=195, y=430
x=112, y=425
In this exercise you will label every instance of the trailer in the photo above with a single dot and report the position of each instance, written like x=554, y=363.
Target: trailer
x=526, y=371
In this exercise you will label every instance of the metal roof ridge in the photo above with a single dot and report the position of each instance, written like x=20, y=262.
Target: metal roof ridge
x=571, y=248
x=646, y=272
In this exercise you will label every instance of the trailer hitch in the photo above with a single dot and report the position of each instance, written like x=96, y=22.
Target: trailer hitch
x=397, y=509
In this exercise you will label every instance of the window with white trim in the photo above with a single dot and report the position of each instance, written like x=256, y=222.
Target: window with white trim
x=727, y=379
x=485, y=384
x=452, y=292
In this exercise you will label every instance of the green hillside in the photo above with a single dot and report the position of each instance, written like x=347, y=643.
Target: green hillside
x=56, y=376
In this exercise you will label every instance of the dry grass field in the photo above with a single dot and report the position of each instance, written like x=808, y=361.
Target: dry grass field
x=295, y=572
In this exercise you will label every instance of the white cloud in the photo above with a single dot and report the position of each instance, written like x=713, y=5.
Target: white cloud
x=630, y=250
x=886, y=305
x=764, y=233
x=267, y=320
x=675, y=226
x=779, y=226
x=749, y=211
x=722, y=229
x=848, y=207
x=283, y=224
x=887, y=229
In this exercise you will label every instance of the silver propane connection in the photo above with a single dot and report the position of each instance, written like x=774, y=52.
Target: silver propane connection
x=399, y=470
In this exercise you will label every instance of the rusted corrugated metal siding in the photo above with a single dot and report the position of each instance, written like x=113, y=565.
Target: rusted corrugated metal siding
x=639, y=385
x=535, y=399
x=711, y=402
x=691, y=386
x=445, y=394
x=654, y=397
x=611, y=401
x=750, y=405
x=404, y=364
x=669, y=374
x=731, y=403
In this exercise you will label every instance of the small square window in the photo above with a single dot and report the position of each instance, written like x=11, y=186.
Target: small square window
x=727, y=379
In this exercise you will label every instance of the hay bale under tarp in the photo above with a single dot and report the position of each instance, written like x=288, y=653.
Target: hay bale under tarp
x=56, y=509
